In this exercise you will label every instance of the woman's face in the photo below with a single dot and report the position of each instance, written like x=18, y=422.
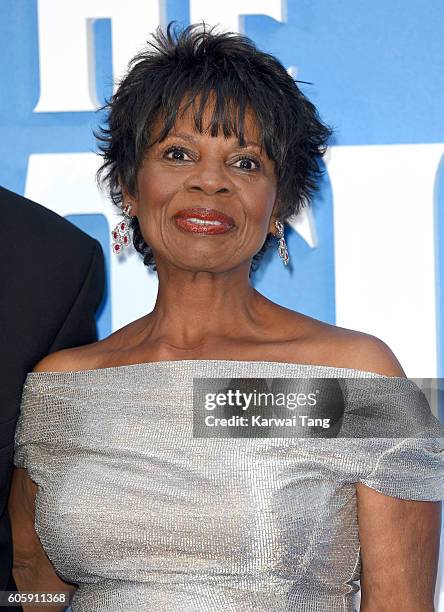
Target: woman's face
x=204, y=203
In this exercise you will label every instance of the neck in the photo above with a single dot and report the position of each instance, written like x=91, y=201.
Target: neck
x=195, y=308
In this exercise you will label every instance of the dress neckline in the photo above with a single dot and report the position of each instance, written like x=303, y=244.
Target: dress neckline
x=191, y=364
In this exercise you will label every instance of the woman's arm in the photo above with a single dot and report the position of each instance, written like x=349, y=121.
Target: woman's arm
x=399, y=537
x=399, y=552
x=32, y=570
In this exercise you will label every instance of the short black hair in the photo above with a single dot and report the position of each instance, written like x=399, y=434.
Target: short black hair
x=182, y=64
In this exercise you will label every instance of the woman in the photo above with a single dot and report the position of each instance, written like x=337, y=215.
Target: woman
x=210, y=146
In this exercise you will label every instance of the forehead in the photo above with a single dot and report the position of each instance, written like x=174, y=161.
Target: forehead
x=209, y=119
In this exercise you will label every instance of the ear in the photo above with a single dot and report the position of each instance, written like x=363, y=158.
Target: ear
x=274, y=215
x=129, y=199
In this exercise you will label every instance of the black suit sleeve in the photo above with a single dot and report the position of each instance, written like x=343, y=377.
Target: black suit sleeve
x=79, y=326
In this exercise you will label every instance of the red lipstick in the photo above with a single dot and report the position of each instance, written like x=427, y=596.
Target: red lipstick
x=203, y=221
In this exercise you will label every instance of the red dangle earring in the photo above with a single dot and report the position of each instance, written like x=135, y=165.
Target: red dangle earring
x=121, y=233
x=282, y=247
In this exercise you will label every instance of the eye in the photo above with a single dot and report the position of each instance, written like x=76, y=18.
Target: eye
x=176, y=154
x=247, y=163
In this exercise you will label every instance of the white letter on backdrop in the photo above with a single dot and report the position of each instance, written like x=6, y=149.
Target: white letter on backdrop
x=66, y=46
x=384, y=233
x=229, y=12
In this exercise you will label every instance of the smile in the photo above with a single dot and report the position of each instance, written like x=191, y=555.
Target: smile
x=203, y=221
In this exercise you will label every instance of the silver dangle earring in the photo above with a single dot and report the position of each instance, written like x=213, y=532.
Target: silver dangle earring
x=282, y=247
x=121, y=233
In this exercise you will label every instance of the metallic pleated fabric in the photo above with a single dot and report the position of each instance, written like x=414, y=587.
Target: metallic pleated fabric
x=146, y=518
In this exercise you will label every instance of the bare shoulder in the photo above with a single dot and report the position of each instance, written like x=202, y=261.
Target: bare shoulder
x=326, y=344
x=93, y=356
x=370, y=353
x=67, y=360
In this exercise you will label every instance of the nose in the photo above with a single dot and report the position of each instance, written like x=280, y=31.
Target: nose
x=209, y=178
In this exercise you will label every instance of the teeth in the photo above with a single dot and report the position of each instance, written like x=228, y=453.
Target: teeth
x=203, y=221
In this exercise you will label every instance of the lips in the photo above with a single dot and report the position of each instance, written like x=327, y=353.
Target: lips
x=203, y=221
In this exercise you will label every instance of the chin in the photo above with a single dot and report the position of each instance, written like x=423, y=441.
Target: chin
x=207, y=263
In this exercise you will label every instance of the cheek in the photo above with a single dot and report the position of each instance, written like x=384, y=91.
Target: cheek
x=154, y=189
x=262, y=203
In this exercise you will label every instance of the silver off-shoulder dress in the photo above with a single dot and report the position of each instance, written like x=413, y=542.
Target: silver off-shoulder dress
x=146, y=517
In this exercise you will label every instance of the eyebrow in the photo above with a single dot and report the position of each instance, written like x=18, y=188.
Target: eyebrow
x=189, y=138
